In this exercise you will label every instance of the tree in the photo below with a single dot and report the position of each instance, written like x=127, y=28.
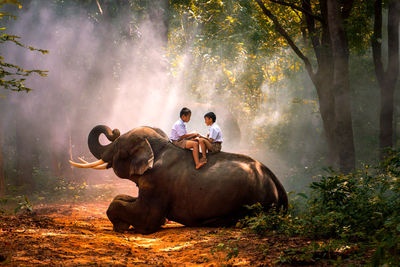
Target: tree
x=340, y=87
x=222, y=50
x=12, y=77
x=330, y=74
x=387, y=79
x=2, y=180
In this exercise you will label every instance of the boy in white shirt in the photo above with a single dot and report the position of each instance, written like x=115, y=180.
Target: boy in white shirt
x=213, y=142
x=182, y=139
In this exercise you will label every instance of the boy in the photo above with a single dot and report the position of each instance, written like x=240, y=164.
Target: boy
x=182, y=139
x=213, y=142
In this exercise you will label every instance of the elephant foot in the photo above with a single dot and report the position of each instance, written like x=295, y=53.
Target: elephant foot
x=116, y=213
x=120, y=227
x=125, y=211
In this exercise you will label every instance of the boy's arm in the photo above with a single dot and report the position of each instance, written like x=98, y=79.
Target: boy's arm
x=181, y=132
x=210, y=135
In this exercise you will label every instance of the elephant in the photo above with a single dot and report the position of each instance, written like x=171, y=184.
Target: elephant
x=170, y=186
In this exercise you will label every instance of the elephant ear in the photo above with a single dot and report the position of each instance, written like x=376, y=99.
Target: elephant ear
x=142, y=158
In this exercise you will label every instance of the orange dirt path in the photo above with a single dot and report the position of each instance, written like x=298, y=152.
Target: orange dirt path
x=81, y=235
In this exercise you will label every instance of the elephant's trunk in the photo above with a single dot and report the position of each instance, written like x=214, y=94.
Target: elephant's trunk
x=95, y=147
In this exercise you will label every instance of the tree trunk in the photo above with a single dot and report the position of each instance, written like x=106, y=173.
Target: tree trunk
x=60, y=154
x=331, y=77
x=323, y=78
x=2, y=179
x=386, y=79
x=24, y=153
x=323, y=85
x=341, y=88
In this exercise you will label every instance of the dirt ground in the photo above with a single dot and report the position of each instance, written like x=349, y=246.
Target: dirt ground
x=81, y=235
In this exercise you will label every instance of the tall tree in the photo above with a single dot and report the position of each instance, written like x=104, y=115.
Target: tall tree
x=24, y=152
x=13, y=77
x=2, y=179
x=330, y=73
x=340, y=87
x=388, y=78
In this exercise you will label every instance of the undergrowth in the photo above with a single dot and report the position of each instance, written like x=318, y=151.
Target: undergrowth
x=57, y=190
x=359, y=210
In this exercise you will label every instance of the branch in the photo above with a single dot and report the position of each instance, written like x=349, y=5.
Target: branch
x=99, y=6
x=282, y=31
x=293, y=6
x=10, y=76
x=13, y=38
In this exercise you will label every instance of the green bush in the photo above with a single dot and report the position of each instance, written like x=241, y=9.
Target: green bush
x=363, y=207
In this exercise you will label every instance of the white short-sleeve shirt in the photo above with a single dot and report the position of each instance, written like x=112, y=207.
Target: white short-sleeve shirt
x=215, y=133
x=178, y=129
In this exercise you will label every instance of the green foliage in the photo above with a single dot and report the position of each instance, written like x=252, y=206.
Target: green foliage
x=332, y=250
x=230, y=249
x=222, y=38
x=50, y=189
x=19, y=203
x=262, y=222
x=391, y=163
x=63, y=190
x=12, y=77
x=23, y=203
x=359, y=207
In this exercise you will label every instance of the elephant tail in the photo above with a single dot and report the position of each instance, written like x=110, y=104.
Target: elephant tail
x=283, y=203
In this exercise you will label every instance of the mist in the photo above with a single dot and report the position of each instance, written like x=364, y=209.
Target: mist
x=93, y=80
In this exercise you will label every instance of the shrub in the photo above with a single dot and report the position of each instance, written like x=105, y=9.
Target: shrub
x=363, y=206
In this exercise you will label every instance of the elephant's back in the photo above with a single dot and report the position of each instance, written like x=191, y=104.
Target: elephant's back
x=149, y=132
x=220, y=188
x=222, y=166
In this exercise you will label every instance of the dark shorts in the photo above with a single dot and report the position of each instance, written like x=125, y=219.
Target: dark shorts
x=180, y=143
x=216, y=147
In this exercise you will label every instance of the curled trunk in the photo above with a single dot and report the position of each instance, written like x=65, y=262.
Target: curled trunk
x=95, y=147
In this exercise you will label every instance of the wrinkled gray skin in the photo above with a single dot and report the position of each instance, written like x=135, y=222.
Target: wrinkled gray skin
x=170, y=186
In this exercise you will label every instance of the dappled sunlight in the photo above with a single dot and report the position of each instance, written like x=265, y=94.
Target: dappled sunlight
x=304, y=91
x=80, y=234
x=245, y=166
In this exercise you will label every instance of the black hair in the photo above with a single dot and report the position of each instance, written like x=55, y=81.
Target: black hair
x=211, y=115
x=184, y=111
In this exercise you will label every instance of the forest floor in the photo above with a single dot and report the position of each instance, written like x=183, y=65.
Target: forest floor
x=81, y=235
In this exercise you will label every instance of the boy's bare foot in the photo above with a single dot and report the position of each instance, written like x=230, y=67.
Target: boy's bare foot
x=203, y=159
x=201, y=163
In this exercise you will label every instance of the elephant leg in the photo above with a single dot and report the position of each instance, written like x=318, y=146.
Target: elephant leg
x=126, y=198
x=125, y=211
x=115, y=210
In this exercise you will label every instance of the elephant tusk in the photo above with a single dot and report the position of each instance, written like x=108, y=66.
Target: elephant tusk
x=101, y=167
x=82, y=160
x=87, y=165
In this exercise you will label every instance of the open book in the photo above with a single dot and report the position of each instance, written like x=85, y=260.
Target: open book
x=191, y=138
